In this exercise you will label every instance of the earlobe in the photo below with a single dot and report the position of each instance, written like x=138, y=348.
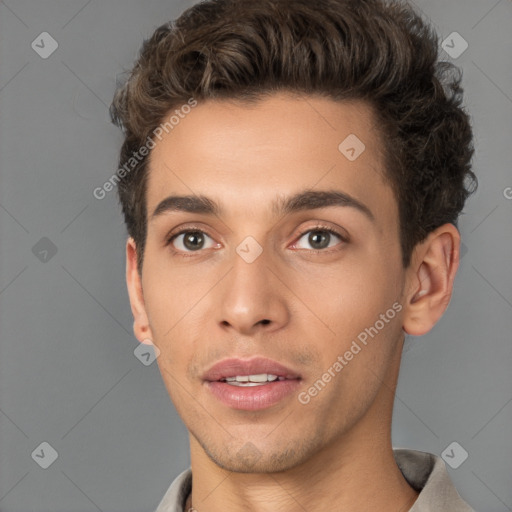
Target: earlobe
x=141, y=327
x=430, y=279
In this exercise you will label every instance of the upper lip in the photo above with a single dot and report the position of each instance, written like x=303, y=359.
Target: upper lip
x=233, y=367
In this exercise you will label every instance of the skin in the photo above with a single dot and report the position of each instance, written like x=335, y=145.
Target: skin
x=198, y=310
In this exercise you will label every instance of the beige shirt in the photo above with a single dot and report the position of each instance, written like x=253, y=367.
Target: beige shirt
x=425, y=472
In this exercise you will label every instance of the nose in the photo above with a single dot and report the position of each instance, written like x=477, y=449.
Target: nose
x=252, y=298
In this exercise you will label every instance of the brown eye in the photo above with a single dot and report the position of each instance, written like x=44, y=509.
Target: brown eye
x=190, y=241
x=319, y=239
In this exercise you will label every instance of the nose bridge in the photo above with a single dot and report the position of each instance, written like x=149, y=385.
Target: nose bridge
x=250, y=266
x=249, y=277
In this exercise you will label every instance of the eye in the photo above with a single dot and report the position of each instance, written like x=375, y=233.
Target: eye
x=319, y=238
x=191, y=240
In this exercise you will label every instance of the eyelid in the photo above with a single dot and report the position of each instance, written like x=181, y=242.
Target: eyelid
x=321, y=226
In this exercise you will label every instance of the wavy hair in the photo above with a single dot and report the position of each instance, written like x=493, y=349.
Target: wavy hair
x=381, y=52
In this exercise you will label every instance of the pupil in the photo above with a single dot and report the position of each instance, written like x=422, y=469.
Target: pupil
x=319, y=241
x=193, y=240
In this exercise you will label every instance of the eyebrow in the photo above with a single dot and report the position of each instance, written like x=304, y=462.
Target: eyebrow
x=282, y=205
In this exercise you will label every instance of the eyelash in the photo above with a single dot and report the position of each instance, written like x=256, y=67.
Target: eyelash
x=194, y=229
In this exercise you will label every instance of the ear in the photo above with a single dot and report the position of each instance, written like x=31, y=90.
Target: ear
x=141, y=327
x=430, y=277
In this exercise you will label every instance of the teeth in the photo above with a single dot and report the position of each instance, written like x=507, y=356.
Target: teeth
x=261, y=377
x=246, y=384
x=251, y=380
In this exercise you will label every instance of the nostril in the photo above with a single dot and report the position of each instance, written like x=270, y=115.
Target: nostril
x=265, y=321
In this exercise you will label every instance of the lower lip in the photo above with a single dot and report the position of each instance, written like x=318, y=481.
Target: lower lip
x=253, y=398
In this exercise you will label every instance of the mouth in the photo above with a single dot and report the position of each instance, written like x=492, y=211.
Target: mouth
x=250, y=385
x=257, y=370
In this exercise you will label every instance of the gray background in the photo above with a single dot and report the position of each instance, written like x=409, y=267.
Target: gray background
x=68, y=373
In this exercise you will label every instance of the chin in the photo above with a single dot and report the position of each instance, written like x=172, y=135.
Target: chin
x=250, y=459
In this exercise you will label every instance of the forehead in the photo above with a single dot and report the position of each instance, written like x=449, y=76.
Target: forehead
x=233, y=151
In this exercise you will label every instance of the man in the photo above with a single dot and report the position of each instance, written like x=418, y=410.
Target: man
x=291, y=177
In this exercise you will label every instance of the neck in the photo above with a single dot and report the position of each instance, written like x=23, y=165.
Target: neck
x=357, y=485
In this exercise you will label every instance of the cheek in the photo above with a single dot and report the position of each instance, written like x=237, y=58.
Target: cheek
x=351, y=296
x=172, y=290
x=350, y=303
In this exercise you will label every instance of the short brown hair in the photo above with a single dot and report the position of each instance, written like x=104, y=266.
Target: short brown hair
x=372, y=50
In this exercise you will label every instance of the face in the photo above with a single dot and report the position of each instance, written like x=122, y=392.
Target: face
x=313, y=285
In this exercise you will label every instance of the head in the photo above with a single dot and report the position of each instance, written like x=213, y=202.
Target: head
x=243, y=105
